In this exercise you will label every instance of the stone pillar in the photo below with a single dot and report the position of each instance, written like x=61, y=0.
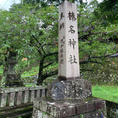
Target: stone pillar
x=70, y=96
x=68, y=42
x=70, y=86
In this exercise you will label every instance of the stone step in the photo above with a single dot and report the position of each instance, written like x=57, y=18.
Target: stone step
x=15, y=112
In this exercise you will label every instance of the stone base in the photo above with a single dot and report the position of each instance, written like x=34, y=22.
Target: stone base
x=91, y=108
x=13, y=80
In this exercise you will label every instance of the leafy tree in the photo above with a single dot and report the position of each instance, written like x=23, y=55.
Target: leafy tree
x=34, y=34
x=107, y=11
x=10, y=43
x=48, y=2
x=97, y=43
x=45, y=40
x=32, y=30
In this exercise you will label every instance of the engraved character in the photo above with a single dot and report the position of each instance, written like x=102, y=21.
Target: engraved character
x=61, y=50
x=72, y=42
x=62, y=15
x=62, y=42
x=72, y=59
x=71, y=16
x=61, y=61
x=71, y=29
x=61, y=26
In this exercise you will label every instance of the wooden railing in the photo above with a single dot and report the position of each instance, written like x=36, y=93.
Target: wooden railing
x=18, y=96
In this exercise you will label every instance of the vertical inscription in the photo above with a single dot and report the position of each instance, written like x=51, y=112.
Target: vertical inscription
x=62, y=39
x=68, y=41
x=62, y=50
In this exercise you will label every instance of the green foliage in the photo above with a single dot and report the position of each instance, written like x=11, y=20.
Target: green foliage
x=96, y=41
x=107, y=11
x=93, y=36
x=32, y=31
x=32, y=72
x=106, y=92
x=48, y=2
x=21, y=24
x=1, y=70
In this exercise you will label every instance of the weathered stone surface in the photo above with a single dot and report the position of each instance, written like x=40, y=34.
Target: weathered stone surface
x=32, y=95
x=26, y=96
x=68, y=41
x=18, y=96
x=58, y=90
x=68, y=109
x=3, y=99
x=78, y=89
x=12, y=78
x=17, y=89
x=11, y=100
x=43, y=92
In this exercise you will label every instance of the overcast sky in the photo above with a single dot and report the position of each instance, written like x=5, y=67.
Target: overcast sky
x=5, y=4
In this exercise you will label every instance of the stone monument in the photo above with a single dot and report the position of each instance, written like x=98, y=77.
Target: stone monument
x=13, y=79
x=70, y=85
x=70, y=96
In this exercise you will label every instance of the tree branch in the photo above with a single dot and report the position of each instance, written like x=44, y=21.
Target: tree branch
x=39, y=44
x=105, y=56
x=50, y=54
x=50, y=74
x=48, y=64
x=85, y=62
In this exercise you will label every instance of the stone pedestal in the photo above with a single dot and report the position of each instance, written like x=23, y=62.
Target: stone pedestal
x=89, y=108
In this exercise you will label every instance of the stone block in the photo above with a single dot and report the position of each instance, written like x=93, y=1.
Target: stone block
x=93, y=108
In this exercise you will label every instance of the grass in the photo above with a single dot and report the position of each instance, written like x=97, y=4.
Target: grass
x=1, y=70
x=105, y=92
x=31, y=72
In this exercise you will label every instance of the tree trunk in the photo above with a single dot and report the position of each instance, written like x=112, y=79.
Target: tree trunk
x=40, y=80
